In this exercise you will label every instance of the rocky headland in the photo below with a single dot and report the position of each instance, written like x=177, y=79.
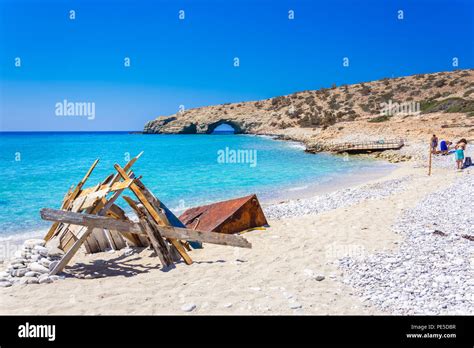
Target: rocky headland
x=410, y=108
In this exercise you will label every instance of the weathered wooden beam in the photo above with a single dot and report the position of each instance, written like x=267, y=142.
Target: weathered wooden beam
x=79, y=186
x=157, y=242
x=115, y=187
x=70, y=197
x=159, y=217
x=171, y=219
x=127, y=167
x=90, y=220
x=93, y=243
x=96, y=221
x=204, y=237
x=77, y=244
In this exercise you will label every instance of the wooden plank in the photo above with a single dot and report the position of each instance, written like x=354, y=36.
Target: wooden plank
x=160, y=249
x=204, y=237
x=88, y=201
x=79, y=186
x=91, y=220
x=133, y=239
x=92, y=243
x=118, y=239
x=101, y=239
x=97, y=221
x=68, y=237
x=155, y=202
x=70, y=198
x=115, y=187
x=156, y=240
x=71, y=252
x=111, y=178
x=98, y=240
x=159, y=217
x=127, y=167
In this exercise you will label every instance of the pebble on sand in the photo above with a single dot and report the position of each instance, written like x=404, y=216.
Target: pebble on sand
x=29, y=280
x=295, y=305
x=44, y=279
x=189, y=307
x=36, y=267
x=31, y=243
x=5, y=284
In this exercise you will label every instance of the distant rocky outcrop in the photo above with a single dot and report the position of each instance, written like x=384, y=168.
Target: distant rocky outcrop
x=324, y=113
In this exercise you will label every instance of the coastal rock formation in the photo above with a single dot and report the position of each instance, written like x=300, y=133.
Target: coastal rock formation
x=417, y=106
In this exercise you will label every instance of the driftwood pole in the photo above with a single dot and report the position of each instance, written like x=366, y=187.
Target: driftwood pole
x=429, y=162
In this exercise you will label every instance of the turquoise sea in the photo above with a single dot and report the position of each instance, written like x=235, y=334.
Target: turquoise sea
x=181, y=170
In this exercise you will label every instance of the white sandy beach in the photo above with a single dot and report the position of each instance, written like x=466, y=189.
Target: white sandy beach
x=294, y=266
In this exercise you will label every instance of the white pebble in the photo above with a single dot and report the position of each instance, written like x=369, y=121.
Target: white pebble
x=44, y=279
x=36, y=267
x=43, y=251
x=44, y=262
x=295, y=305
x=19, y=272
x=31, y=243
x=5, y=284
x=188, y=307
x=32, y=274
x=29, y=280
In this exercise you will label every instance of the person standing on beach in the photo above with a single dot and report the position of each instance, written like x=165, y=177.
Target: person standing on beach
x=460, y=148
x=434, y=143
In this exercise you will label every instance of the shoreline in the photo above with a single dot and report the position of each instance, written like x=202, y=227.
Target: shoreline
x=338, y=182
x=285, y=192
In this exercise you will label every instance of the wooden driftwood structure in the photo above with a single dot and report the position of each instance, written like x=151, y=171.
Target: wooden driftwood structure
x=369, y=146
x=90, y=217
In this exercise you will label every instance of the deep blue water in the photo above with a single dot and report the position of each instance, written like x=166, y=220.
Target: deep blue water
x=181, y=170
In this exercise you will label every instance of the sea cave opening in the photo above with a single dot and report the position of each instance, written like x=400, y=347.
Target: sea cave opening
x=220, y=128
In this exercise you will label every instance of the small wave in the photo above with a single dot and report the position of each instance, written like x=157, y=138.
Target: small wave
x=266, y=136
x=297, y=145
x=298, y=188
x=20, y=237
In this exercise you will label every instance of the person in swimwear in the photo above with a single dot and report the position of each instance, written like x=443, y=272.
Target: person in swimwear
x=444, y=146
x=434, y=143
x=459, y=153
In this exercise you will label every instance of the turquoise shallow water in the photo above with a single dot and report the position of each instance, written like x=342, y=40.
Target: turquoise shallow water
x=182, y=170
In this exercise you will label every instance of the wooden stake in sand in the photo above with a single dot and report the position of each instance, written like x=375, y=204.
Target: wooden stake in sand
x=429, y=163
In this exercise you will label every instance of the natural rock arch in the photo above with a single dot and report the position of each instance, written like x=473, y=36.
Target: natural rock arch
x=237, y=127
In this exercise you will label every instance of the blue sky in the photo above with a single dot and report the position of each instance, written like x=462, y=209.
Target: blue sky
x=190, y=62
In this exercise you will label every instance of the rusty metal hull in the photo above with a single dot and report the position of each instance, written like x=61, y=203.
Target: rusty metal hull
x=232, y=216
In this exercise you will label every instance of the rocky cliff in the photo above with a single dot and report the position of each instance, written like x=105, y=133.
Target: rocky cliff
x=323, y=114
